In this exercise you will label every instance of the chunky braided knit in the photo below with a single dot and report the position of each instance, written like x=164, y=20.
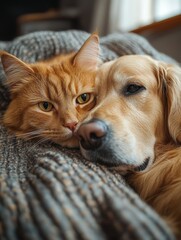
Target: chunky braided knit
x=51, y=193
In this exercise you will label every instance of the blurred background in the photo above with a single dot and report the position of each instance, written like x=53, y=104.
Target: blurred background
x=157, y=20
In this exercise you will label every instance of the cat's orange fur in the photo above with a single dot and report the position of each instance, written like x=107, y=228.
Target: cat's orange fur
x=56, y=84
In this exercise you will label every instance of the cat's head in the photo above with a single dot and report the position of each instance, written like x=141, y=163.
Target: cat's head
x=48, y=99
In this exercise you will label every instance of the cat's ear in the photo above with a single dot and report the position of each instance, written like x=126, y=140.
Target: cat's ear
x=88, y=55
x=16, y=71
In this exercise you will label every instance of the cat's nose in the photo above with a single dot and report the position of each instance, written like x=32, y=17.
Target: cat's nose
x=71, y=125
x=92, y=134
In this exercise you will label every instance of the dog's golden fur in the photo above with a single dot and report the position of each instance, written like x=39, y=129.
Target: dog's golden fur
x=160, y=186
x=145, y=124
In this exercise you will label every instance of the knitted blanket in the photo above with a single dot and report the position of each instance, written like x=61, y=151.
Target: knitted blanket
x=50, y=193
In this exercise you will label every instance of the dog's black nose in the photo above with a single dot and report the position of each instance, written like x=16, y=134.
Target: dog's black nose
x=92, y=133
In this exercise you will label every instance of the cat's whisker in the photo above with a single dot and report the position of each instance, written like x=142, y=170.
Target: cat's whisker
x=42, y=140
x=16, y=141
x=32, y=134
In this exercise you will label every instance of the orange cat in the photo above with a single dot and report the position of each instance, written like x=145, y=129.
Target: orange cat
x=49, y=98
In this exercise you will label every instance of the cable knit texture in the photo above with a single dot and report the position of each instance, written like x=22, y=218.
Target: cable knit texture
x=52, y=193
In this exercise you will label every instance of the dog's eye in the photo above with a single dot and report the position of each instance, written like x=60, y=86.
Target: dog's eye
x=133, y=89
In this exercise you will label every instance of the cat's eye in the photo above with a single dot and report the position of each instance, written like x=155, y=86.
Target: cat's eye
x=83, y=98
x=45, y=106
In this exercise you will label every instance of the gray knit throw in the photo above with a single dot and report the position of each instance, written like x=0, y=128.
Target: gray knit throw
x=50, y=193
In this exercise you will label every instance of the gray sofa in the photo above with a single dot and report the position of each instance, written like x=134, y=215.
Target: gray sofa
x=48, y=192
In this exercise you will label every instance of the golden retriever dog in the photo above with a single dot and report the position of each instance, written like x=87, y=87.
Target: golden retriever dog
x=136, y=128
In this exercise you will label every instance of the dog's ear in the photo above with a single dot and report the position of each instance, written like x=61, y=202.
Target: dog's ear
x=172, y=82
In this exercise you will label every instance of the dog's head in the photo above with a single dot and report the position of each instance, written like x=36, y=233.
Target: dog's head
x=139, y=106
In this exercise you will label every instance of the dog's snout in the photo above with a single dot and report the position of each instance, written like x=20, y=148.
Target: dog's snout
x=92, y=133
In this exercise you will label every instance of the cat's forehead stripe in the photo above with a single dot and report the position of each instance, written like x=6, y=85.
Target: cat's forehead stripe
x=58, y=86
